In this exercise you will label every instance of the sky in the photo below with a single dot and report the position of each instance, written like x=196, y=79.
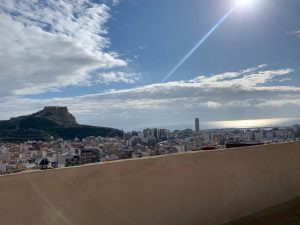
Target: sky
x=109, y=61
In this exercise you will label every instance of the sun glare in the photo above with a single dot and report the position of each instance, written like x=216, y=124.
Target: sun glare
x=253, y=123
x=245, y=3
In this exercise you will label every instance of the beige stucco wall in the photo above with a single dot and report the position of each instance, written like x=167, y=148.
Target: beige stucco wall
x=202, y=188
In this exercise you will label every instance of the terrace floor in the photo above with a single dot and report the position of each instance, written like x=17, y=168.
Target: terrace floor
x=284, y=214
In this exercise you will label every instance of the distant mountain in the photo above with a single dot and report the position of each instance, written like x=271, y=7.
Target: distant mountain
x=52, y=121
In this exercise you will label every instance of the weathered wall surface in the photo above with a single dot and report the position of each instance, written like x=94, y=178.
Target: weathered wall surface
x=202, y=188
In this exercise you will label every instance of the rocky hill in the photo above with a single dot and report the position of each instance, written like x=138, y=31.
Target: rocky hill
x=50, y=122
x=59, y=115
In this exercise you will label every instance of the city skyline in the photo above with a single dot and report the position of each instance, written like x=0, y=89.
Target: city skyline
x=107, y=66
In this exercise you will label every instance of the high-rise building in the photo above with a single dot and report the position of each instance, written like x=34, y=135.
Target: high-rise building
x=197, y=125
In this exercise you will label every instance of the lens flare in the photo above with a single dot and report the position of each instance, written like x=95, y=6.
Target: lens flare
x=238, y=4
x=210, y=32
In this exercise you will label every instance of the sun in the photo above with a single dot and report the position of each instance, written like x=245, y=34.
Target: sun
x=245, y=3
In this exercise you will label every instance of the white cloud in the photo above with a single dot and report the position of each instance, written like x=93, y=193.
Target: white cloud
x=211, y=105
x=246, y=79
x=116, y=2
x=296, y=32
x=245, y=94
x=288, y=101
x=47, y=45
x=113, y=77
x=285, y=79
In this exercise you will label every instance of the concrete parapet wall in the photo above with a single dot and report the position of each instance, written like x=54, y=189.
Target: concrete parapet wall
x=199, y=188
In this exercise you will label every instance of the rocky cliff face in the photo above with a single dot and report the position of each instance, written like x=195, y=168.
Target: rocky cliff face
x=58, y=115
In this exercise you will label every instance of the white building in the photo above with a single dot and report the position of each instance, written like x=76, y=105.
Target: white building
x=3, y=167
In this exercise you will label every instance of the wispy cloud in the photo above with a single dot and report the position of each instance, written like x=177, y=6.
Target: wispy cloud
x=116, y=2
x=296, y=32
x=116, y=77
x=285, y=79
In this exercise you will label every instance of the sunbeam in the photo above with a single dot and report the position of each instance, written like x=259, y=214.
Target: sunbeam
x=199, y=44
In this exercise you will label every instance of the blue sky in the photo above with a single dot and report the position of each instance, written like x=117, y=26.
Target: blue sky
x=106, y=60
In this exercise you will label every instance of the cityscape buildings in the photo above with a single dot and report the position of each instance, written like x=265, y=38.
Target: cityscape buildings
x=31, y=155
